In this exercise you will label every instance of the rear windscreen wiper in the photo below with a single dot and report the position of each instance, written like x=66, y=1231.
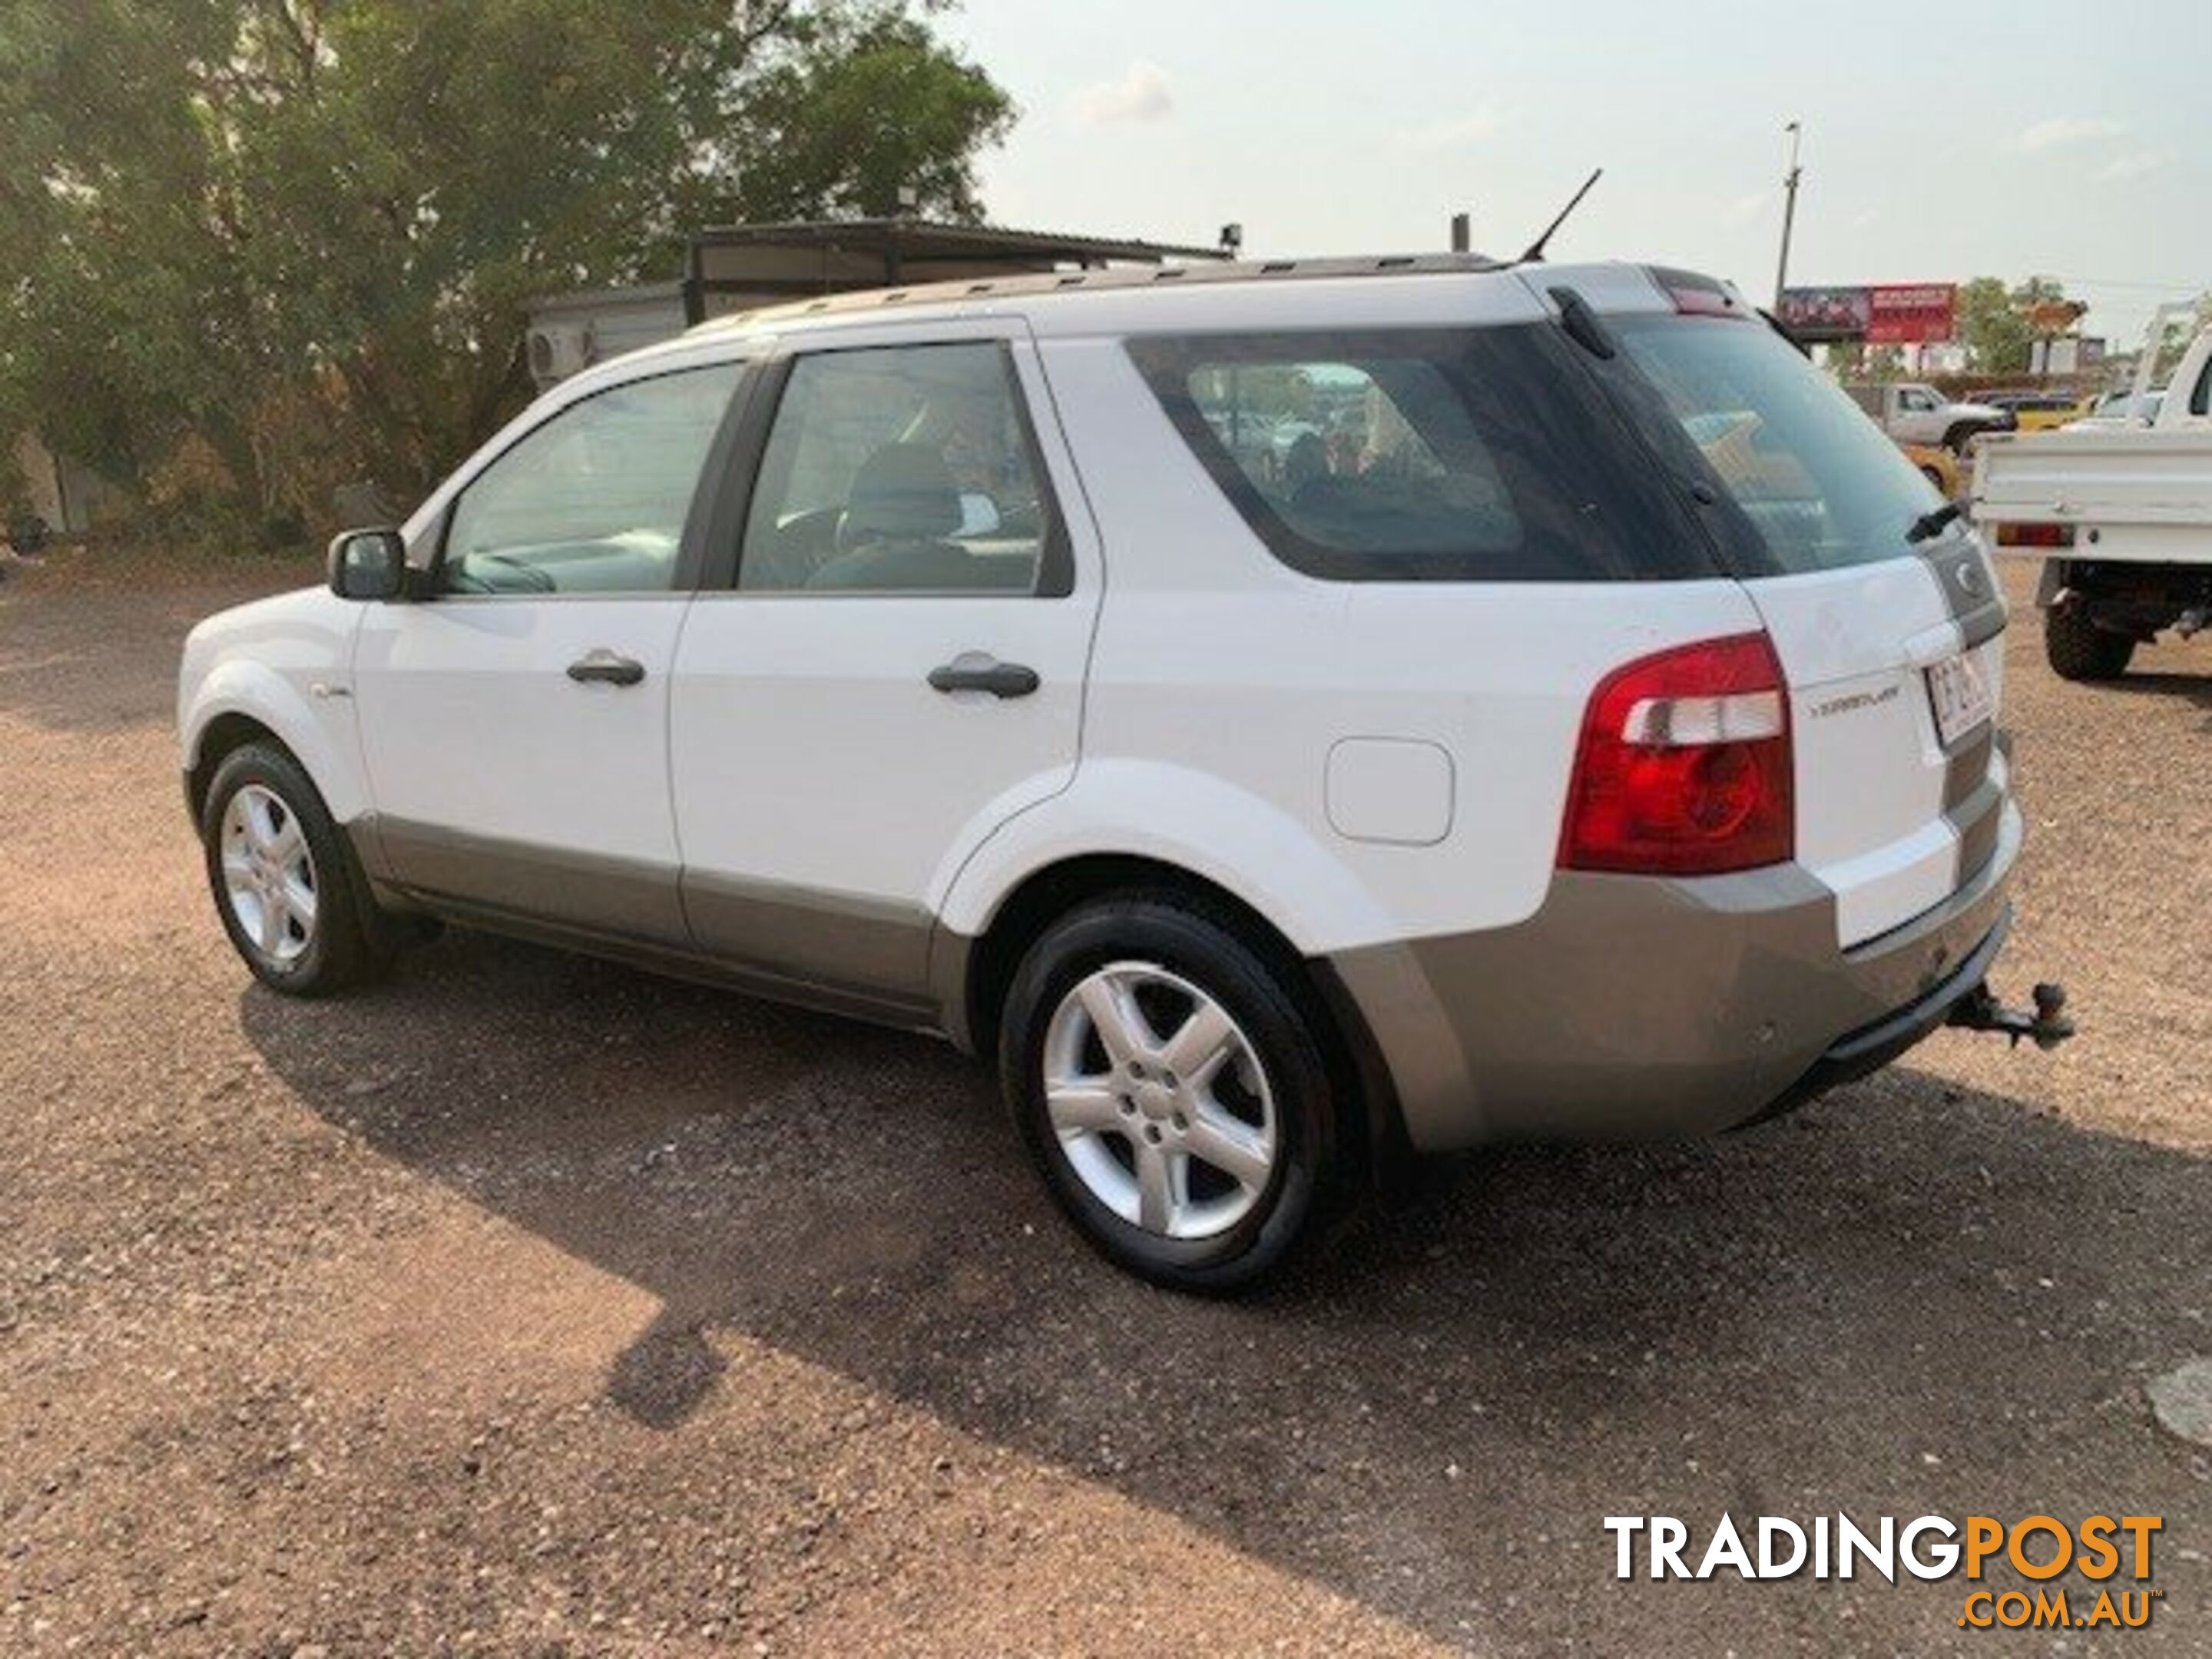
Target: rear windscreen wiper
x=1931, y=523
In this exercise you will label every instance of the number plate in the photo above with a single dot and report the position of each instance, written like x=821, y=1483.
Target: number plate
x=1960, y=693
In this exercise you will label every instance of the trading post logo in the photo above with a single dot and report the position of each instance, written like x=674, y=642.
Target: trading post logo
x=2102, y=1548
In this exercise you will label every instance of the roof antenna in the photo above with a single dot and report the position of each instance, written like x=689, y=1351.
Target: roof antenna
x=1535, y=253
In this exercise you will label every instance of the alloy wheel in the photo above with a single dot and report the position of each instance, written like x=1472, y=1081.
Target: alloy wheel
x=1160, y=1102
x=269, y=873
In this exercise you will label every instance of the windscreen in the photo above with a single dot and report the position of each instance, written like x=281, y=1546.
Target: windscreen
x=1818, y=485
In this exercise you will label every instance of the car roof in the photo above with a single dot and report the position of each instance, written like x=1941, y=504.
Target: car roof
x=1372, y=290
x=1438, y=291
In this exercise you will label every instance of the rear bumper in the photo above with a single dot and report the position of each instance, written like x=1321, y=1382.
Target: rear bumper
x=1631, y=1006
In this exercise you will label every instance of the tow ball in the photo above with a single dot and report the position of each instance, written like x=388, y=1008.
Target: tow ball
x=1980, y=1011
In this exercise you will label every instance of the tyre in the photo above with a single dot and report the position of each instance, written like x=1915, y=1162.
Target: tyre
x=285, y=883
x=1961, y=435
x=2080, y=650
x=1937, y=478
x=1171, y=1090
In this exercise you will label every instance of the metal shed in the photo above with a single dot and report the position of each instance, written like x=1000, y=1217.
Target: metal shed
x=742, y=266
x=739, y=267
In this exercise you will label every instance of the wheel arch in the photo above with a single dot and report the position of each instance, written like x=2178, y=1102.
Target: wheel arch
x=220, y=738
x=1374, y=1132
x=242, y=702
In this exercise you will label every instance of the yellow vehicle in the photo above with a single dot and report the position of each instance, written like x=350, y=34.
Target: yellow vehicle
x=2041, y=411
x=1937, y=464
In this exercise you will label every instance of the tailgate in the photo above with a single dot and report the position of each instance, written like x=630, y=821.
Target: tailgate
x=1884, y=616
x=1893, y=814
x=2123, y=476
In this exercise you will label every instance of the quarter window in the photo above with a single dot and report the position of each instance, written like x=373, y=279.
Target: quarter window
x=594, y=501
x=1419, y=455
x=902, y=469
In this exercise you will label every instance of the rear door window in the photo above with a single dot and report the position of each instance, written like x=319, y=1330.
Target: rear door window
x=909, y=469
x=1397, y=455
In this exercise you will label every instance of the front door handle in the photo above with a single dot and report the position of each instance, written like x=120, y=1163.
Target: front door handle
x=604, y=668
x=977, y=670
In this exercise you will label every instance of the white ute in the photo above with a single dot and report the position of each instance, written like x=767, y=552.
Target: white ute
x=1286, y=716
x=2121, y=513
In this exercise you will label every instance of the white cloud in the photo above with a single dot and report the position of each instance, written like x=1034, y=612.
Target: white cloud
x=2062, y=132
x=1141, y=95
x=2134, y=164
x=1454, y=133
x=1864, y=217
x=1745, y=208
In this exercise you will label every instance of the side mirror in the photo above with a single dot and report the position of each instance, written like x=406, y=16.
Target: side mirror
x=369, y=564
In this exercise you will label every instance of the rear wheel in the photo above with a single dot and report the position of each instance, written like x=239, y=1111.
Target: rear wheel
x=2080, y=650
x=284, y=880
x=1166, y=1083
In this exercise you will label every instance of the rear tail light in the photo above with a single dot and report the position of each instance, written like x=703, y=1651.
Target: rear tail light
x=1685, y=765
x=2035, y=535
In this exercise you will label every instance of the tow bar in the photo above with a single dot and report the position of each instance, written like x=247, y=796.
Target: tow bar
x=1980, y=1011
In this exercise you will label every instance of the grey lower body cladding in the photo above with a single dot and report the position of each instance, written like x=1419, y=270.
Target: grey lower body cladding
x=1629, y=1006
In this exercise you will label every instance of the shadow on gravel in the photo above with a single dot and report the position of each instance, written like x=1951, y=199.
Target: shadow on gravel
x=2192, y=690
x=1906, y=1299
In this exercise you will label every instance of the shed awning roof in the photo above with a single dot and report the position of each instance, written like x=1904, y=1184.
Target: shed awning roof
x=923, y=240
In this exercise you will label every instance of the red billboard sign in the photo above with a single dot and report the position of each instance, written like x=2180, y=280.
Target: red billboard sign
x=1911, y=314
x=1900, y=313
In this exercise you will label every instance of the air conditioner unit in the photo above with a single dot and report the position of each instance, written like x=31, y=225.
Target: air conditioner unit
x=558, y=350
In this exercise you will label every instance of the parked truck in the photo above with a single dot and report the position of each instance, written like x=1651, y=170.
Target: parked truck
x=2121, y=515
x=1915, y=414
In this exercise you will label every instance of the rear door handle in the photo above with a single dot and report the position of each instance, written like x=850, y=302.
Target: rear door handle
x=606, y=667
x=977, y=670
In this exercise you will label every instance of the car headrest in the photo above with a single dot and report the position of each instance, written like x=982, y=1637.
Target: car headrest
x=903, y=493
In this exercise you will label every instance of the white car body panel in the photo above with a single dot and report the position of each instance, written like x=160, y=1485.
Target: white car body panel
x=1287, y=666
x=1869, y=771
x=265, y=661
x=521, y=753
x=879, y=787
x=2145, y=492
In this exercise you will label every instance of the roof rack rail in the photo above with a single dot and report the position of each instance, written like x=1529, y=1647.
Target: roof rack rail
x=1064, y=281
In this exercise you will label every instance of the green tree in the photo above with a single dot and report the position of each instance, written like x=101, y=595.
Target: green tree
x=1883, y=362
x=1994, y=320
x=303, y=233
x=1995, y=335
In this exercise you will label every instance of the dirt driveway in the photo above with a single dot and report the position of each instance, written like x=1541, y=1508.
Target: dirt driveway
x=531, y=1305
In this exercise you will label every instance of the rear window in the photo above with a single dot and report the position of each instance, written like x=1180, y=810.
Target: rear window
x=1406, y=455
x=1815, y=485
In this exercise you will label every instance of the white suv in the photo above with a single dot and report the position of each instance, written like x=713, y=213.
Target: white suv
x=1287, y=716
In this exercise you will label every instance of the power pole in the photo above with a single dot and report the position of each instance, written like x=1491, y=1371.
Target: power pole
x=1788, y=210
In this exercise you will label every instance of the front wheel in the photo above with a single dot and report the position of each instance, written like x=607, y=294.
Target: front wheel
x=1170, y=1089
x=283, y=877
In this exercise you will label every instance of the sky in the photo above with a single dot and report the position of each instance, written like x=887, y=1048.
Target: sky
x=1940, y=141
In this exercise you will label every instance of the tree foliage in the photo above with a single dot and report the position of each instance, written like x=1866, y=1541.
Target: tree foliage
x=1994, y=320
x=277, y=243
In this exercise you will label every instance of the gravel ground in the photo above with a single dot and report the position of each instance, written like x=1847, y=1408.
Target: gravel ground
x=531, y=1305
